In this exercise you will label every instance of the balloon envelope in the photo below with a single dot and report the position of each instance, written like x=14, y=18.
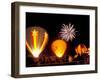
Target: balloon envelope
x=59, y=47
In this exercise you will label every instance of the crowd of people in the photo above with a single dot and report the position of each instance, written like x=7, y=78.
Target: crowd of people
x=44, y=60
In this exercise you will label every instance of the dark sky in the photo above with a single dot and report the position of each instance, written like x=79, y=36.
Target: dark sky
x=53, y=22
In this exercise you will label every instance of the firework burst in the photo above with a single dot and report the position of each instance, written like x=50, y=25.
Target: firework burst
x=67, y=32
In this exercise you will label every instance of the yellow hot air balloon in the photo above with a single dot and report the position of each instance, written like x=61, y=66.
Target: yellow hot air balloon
x=59, y=47
x=36, y=40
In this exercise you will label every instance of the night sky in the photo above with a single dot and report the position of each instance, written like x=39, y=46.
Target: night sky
x=52, y=24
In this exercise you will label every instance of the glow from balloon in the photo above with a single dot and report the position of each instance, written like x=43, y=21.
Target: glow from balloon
x=36, y=52
x=59, y=47
x=36, y=40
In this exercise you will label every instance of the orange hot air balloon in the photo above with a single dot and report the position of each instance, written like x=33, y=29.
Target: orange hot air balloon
x=59, y=47
x=36, y=40
x=81, y=49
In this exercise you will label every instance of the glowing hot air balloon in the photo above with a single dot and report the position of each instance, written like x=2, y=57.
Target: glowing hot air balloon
x=81, y=49
x=36, y=40
x=59, y=47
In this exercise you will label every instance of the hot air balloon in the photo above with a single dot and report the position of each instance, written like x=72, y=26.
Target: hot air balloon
x=59, y=47
x=36, y=40
x=81, y=49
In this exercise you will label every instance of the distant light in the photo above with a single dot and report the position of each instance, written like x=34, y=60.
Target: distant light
x=36, y=53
